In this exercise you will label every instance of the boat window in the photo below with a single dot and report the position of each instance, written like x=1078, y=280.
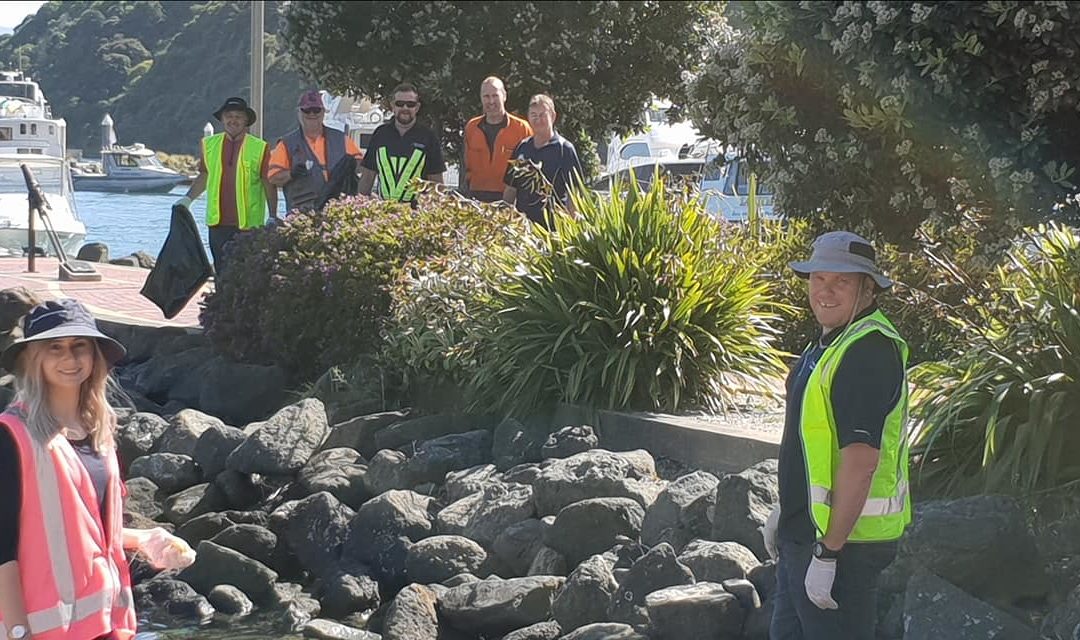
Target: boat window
x=124, y=160
x=17, y=90
x=5, y=133
x=671, y=173
x=52, y=130
x=33, y=129
x=22, y=129
x=634, y=150
x=11, y=179
x=149, y=161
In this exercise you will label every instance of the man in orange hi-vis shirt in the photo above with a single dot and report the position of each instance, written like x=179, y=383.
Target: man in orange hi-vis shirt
x=301, y=161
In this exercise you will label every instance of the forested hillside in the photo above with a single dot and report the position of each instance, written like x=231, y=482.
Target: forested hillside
x=160, y=68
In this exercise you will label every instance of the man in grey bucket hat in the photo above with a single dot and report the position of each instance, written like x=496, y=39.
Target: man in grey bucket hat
x=843, y=473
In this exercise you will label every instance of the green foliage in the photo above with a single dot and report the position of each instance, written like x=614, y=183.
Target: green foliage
x=160, y=68
x=888, y=114
x=1000, y=415
x=315, y=291
x=599, y=60
x=642, y=301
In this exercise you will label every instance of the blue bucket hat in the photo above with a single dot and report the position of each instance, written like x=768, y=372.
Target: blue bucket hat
x=842, y=252
x=64, y=318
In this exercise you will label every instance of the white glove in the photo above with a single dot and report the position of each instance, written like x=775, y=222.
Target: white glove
x=819, y=581
x=768, y=532
x=164, y=550
x=183, y=202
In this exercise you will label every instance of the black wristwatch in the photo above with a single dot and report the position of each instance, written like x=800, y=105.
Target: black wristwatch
x=821, y=552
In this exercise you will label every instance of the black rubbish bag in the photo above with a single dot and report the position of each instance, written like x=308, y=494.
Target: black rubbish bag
x=182, y=267
x=343, y=182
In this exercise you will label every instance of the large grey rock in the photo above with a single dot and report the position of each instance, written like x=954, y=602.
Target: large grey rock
x=240, y=392
x=657, y=569
x=359, y=433
x=439, y=558
x=426, y=428
x=593, y=526
x=158, y=377
x=522, y=473
x=214, y=446
x=548, y=562
x=935, y=608
x=216, y=565
x=595, y=474
x=484, y=515
x=549, y=630
x=193, y=502
x=292, y=607
x=569, y=441
x=142, y=498
x=587, y=594
x=496, y=607
x=388, y=470
x=171, y=472
x=412, y=615
x=285, y=442
x=955, y=538
x=435, y=458
x=229, y=600
x=321, y=629
x=604, y=631
x=517, y=545
x=204, y=527
x=702, y=610
x=239, y=489
x=137, y=435
x=1063, y=623
x=466, y=482
x=184, y=431
x=339, y=472
x=174, y=597
x=345, y=593
x=316, y=532
x=382, y=530
x=680, y=512
x=718, y=561
x=252, y=540
x=515, y=442
x=743, y=503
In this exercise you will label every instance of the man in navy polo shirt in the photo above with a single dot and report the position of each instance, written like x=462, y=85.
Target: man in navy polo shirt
x=402, y=150
x=556, y=156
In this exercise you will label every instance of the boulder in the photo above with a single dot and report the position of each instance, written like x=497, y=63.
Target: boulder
x=15, y=302
x=517, y=545
x=744, y=591
x=496, y=607
x=1063, y=623
x=594, y=474
x=339, y=472
x=252, y=540
x=171, y=472
x=203, y=527
x=184, y=431
x=468, y=481
x=548, y=562
x=935, y=608
x=229, y=600
x=394, y=513
x=142, y=498
x=435, y=458
x=412, y=615
x=239, y=392
x=137, y=435
x=174, y=597
x=680, y=512
x=743, y=503
x=214, y=446
x=238, y=488
x=93, y=252
x=359, y=433
x=587, y=594
x=439, y=558
x=763, y=577
x=388, y=470
x=285, y=442
x=342, y=594
x=593, y=526
x=193, y=502
x=292, y=608
x=160, y=377
x=540, y=631
x=486, y=514
x=426, y=428
x=702, y=610
x=316, y=531
x=515, y=442
x=657, y=569
x=569, y=441
x=216, y=565
x=718, y=561
x=522, y=474
x=605, y=631
x=329, y=630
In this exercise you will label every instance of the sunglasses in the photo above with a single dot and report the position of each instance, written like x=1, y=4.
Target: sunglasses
x=409, y=104
x=312, y=110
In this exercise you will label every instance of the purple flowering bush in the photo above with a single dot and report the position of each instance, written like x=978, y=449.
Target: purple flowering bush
x=316, y=291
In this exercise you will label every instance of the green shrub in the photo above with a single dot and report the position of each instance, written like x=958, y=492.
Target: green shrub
x=1001, y=414
x=315, y=291
x=642, y=301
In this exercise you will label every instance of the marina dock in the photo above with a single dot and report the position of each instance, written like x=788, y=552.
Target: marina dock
x=115, y=297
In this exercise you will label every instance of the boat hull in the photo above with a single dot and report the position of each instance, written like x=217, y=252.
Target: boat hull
x=108, y=184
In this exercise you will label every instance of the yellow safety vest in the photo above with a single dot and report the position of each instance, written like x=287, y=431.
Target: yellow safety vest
x=250, y=196
x=888, y=507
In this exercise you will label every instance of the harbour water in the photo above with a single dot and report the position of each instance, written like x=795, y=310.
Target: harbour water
x=129, y=222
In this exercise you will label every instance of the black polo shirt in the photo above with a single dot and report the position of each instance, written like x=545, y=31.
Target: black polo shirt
x=396, y=159
x=865, y=388
x=558, y=162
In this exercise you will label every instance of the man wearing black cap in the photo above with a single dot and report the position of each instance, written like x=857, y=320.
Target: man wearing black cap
x=233, y=171
x=843, y=472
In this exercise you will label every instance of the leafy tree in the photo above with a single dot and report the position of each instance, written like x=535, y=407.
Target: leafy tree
x=598, y=60
x=886, y=114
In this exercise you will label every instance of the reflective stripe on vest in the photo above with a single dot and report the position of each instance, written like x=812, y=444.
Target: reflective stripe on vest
x=887, y=511
x=395, y=180
x=250, y=195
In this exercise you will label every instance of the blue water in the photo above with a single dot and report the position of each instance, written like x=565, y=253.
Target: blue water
x=130, y=222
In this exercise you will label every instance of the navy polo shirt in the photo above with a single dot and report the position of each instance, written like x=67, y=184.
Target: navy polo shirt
x=558, y=162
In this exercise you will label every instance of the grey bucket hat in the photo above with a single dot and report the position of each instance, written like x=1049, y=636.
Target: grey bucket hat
x=842, y=252
x=64, y=318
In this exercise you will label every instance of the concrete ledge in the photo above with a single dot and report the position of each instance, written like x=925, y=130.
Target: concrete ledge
x=706, y=444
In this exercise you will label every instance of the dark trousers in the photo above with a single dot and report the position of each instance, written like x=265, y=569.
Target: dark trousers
x=220, y=236
x=855, y=591
x=486, y=196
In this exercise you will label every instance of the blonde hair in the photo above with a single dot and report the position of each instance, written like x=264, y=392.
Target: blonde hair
x=544, y=100
x=32, y=391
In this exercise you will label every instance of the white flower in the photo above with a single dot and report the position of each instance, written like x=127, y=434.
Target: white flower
x=920, y=12
x=903, y=148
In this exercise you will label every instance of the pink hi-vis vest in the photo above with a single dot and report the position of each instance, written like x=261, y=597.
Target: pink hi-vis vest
x=75, y=579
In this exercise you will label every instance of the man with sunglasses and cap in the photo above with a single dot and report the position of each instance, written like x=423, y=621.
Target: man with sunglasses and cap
x=402, y=150
x=233, y=170
x=843, y=471
x=302, y=160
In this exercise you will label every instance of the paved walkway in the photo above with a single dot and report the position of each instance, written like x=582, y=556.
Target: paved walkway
x=116, y=297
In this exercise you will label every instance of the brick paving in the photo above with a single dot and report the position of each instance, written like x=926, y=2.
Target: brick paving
x=116, y=297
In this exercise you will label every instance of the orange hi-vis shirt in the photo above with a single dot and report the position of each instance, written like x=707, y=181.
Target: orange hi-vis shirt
x=280, y=160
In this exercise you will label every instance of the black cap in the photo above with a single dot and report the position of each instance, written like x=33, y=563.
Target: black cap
x=236, y=104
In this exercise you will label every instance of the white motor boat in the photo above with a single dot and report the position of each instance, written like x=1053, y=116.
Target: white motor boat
x=30, y=135
x=133, y=169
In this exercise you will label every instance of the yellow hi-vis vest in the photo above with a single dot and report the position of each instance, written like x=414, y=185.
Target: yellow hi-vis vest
x=888, y=507
x=250, y=196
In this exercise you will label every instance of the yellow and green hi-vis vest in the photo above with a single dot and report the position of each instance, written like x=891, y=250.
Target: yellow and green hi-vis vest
x=888, y=507
x=396, y=174
x=250, y=196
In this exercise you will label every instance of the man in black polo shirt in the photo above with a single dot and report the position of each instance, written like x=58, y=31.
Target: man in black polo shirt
x=558, y=162
x=402, y=150
x=843, y=479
